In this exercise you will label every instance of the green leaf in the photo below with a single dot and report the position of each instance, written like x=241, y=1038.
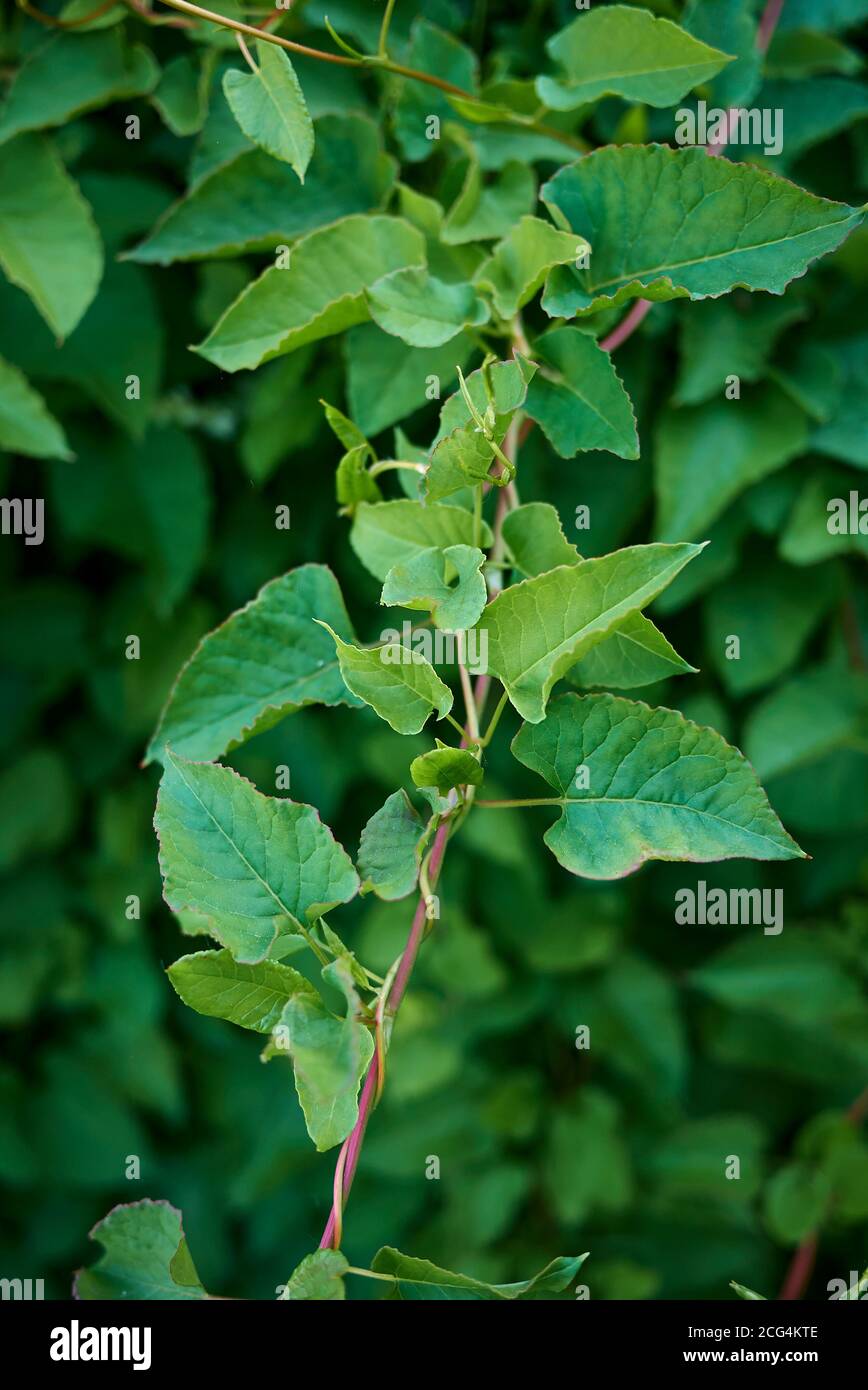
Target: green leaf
x=345, y=429
x=796, y=1201
x=624, y=52
x=393, y=533
x=270, y=108
x=824, y=501
x=26, y=424
x=266, y=661
x=254, y=865
x=771, y=634
x=814, y=109
x=636, y=654
x=390, y=849
x=320, y=1276
x=538, y=629
x=482, y=212
x=49, y=243
x=502, y=385
x=743, y=337
x=253, y=996
x=753, y=437
x=329, y=1057
x=744, y=1292
x=535, y=539
x=72, y=73
x=845, y=435
x=520, y=263
x=164, y=479
x=580, y=402
x=145, y=1256
x=668, y=224
x=396, y=681
x=463, y=459
x=731, y=26
x=801, y=980
x=252, y=200
x=659, y=787
x=386, y=380
x=181, y=95
x=421, y=310
x=446, y=583
x=419, y=1280
x=810, y=716
x=445, y=768
x=320, y=292
x=353, y=482
x=587, y=1164
x=435, y=52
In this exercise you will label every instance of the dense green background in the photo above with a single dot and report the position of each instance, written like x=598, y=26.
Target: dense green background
x=705, y=1041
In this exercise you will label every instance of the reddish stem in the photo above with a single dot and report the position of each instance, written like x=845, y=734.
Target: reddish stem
x=799, y=1272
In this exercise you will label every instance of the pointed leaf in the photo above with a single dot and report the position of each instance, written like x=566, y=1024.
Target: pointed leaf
x=397, y=682
x=483, y=211
x=581, y=403
x=49, y=243
x=253, y=996
x=538, y=629
x=254, y=865
x=249, y=199
x=636, y=654
x=270, y=108
x=667, y=224
x=659, y=787
x=320, y=292
x=619, y=51
x=26, y=425
x=447, y=583
x=266, y=661
x=420, y=1280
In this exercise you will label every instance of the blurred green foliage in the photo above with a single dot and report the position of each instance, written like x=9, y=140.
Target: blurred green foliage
x=706, y=1041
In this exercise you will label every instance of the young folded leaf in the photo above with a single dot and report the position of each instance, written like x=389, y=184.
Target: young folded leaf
x=391, y=846
x=255, y=865
x=519, y=264
x=637, y=783
x=635, y=654
x=446, y=583
x=329, y=1056
x=396, y=681
x=445, y=768
x=393, y=533
x=537, y=629
x=318, y=1277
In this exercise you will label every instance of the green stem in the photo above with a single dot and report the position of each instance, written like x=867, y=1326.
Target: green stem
x=386, y=465
x=493, y=723
x=384, y=28
x=314, y=945
x=369, y=1274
